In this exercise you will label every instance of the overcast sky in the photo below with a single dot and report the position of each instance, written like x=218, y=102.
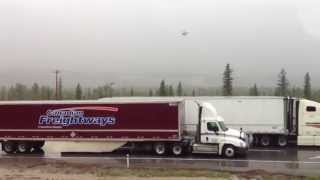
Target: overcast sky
x=139, y=41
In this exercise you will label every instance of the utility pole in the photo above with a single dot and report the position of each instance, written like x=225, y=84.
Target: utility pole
x=57, y=86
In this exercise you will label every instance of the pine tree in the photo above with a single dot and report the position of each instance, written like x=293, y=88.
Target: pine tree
x=48, y=93
x=78, y=92
x=88, y=94
x=60, y=94
x=283, y=84
x=35, y=92
x=254, y=90
x=163, y=89
x=4, y=93
x=179, y=89
x=131, y=92
x=307, y=86
x=21, y=91
x=150, y=92
x=170, y=91
x=193, y=92
x=227, y=81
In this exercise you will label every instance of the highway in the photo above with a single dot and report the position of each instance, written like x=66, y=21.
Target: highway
x=293, y=161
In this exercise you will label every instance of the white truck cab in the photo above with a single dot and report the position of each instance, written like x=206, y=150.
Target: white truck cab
x=308, y=123
x=215, y=137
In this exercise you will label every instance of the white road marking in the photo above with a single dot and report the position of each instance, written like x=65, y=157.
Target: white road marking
x=265, y=150
x=315, y=157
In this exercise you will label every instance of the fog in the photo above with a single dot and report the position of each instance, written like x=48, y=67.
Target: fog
x=140, y=42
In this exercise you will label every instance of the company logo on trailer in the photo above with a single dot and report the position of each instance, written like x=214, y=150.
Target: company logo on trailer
x=58, y=118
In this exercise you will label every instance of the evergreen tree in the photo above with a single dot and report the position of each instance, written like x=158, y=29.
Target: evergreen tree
x=170, y=91
x=78, y=92
x=179, y=89
x=88, y=94
x=60, y=94
x=307, y=86
x=193, y=92
x=20, y=91
x=227, y=81
x=283, y=84
x=3, y=93
x=131, y=92
x=254, y=91
x=150, y=92
x=163, y=89
x=35, y=91
x=48, y=93
x=11, y=93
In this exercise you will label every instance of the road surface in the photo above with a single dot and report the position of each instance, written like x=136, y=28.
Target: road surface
x=293, y=161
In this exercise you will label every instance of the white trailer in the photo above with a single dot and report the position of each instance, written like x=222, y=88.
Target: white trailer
x=271, y=120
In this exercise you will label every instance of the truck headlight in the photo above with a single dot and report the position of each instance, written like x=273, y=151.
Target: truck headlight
x=243, y=144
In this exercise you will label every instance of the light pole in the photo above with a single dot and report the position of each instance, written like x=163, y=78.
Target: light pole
x=56, y=73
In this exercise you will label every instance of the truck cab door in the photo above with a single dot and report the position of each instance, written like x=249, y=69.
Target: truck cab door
x=210, y=133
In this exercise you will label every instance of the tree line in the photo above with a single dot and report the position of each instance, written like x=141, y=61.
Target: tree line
x=43, y=92
x=282, y=87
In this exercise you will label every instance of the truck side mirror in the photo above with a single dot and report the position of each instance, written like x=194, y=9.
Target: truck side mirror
x=215, y=128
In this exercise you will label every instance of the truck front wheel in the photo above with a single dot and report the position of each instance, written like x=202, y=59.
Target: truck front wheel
x=9, y=147
x=159, y=148
x=177, y=149
x=229, y=151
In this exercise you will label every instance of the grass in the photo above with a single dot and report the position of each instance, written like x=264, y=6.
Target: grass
x=161, y=173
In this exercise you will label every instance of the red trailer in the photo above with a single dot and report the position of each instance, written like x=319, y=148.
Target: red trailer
x=28, y=124
x=162, y=125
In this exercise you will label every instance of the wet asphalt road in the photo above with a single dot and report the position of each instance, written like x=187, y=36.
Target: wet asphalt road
x=294, y=161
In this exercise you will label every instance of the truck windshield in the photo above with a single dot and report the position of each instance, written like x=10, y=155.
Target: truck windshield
x=222, y=126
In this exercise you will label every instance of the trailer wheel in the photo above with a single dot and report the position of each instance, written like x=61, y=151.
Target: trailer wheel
x=229, y=151
x=159, y=148
x=9, y=147
x=23, y=147
x=265, y=141
x=177, y=149
x=282, y=141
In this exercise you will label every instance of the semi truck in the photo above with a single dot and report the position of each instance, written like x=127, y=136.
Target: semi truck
x=163, y=126
x=271, y=120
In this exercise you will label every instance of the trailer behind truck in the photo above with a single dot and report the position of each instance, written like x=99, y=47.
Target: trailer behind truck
x=159, y=125
x=271, y=120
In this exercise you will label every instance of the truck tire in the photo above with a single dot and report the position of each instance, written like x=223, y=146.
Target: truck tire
x=229, y=151
x=265, y=141
x=159, y=148
x=282, y=141
x=23, y=147
x=177, y=149
x=9, y=147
